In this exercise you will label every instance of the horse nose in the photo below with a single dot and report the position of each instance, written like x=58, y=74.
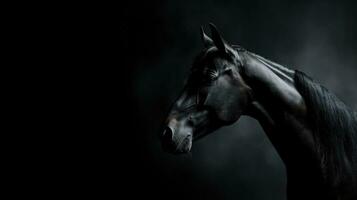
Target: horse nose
x=168, y=134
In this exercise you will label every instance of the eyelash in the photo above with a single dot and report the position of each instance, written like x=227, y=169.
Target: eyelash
x=211, y=74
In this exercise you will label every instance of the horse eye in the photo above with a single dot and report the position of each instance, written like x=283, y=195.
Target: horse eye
x=211, y=74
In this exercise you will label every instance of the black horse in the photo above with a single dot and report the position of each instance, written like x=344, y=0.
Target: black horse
x=314, y=132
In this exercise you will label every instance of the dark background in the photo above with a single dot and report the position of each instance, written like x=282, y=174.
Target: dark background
x=161, y=38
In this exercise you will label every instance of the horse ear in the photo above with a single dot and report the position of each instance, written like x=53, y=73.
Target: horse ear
x=207, y=41
x=217, y=38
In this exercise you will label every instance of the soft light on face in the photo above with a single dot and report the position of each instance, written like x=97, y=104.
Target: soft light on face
x=204, y=106
x=187, y=120
x=215, y=95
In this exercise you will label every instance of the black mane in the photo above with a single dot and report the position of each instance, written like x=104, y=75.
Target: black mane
x=335, y=130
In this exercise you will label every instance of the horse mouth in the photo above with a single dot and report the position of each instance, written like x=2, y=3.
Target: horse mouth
x=181, y=147
x=185, y=146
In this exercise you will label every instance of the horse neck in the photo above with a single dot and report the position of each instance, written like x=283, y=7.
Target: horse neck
x=280, y=110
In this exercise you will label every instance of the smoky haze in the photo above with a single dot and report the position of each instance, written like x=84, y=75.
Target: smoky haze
x=238, y=161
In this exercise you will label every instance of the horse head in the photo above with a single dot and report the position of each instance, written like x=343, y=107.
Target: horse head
x=214, y=95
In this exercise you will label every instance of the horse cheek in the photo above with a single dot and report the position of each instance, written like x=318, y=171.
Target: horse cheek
x=226, y=103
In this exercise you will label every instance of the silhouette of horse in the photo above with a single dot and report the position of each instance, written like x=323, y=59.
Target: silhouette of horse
x=314, y=133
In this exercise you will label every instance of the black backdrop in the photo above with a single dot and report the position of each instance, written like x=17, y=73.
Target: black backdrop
x=160, y=40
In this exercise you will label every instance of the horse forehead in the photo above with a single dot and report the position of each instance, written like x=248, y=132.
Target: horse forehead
x=208, y=54
x=210, y=57
x=214, y=63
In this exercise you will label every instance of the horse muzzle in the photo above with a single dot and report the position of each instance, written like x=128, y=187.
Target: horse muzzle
x=176, y=142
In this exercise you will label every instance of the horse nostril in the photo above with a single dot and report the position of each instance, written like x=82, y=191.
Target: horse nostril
x=168, y=134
